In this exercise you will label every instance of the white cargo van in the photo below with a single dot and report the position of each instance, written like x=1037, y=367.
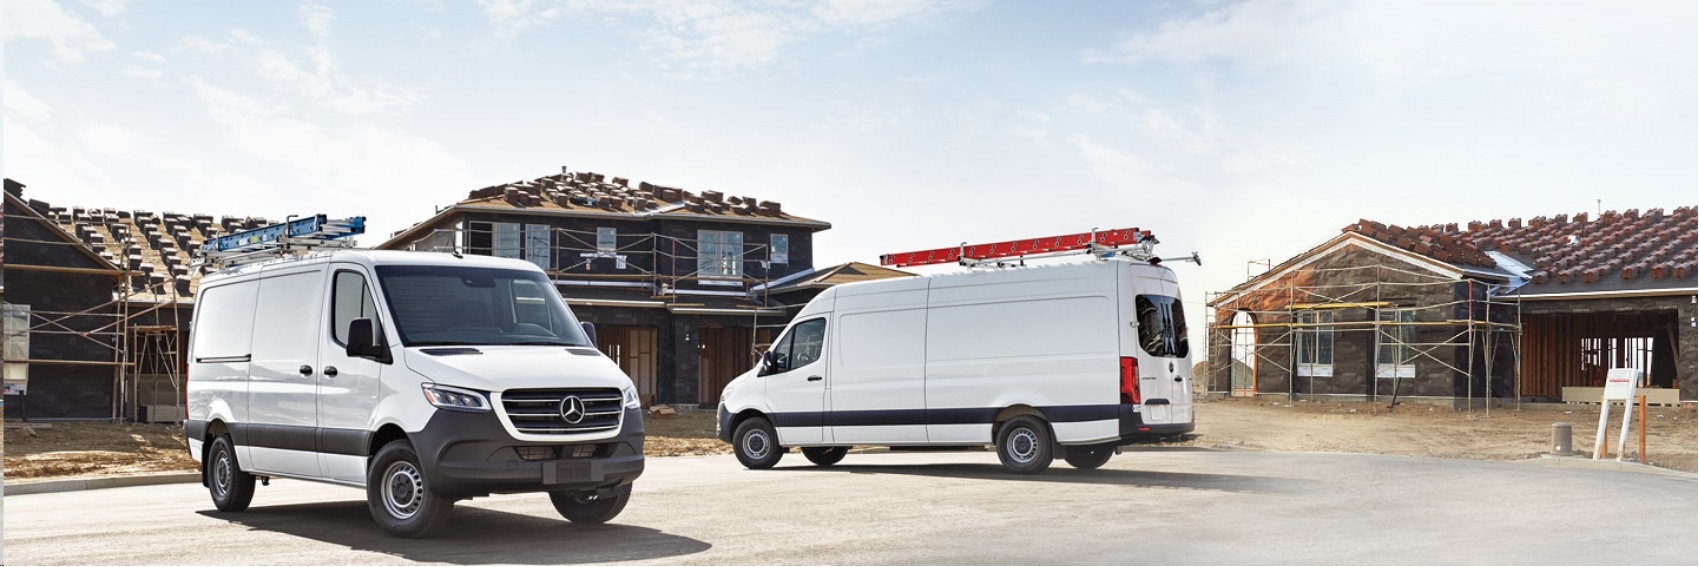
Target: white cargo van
x=1077, y=358
x=422, y=378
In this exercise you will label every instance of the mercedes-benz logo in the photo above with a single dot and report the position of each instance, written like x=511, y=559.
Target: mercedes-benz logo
x=572, y=410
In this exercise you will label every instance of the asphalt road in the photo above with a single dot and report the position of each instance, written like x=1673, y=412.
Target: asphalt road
x=1160, y=506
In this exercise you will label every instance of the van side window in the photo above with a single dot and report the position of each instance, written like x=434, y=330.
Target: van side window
x=810, y=339
x=351, y=299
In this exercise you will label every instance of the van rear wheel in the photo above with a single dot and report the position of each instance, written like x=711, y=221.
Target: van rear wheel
x=587, y=507
x=756, y=445
x=231, y=488
x=825, y=456
x=1088, y=457
x=398, y=494
x=1025, y=446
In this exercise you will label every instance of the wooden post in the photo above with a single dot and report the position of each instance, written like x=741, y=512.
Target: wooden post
x=1642, y=430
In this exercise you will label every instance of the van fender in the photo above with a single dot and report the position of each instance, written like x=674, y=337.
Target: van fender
x=1018, y=410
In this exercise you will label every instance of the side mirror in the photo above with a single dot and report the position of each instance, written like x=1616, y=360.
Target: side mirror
x=590, y=332
x=363, y=341
x=767, y=363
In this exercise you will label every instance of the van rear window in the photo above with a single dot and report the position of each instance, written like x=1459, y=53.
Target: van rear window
x=1162, y=325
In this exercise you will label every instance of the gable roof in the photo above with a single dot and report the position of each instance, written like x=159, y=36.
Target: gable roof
x=59, y=232
x=850, y=272
x=587, y=194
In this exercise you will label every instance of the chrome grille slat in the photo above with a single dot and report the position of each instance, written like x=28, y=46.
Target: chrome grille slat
x=536, y=411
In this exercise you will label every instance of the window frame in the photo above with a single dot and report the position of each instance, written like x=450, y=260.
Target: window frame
x=1399, y=352
x=537, y=250
x=730, y=266
x=336, y=283
x=612, y=234
x=786, y=347
x=516, y=231
x=776, y=253
x=1320, y=336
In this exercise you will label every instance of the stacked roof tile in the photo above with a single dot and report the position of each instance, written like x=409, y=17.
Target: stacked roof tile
x=595, y=192
x=157, y=246
x=1426, y=241
x=1626, y=246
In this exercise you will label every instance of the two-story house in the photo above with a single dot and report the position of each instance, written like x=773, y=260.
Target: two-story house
x=684, y=288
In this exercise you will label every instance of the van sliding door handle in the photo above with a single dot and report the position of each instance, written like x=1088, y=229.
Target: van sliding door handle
x=814, y=378
x=306, y=370
x=330, y=372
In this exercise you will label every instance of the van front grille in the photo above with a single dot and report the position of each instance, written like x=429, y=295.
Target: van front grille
x=547, y=412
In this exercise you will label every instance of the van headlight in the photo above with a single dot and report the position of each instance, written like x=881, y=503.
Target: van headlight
x=458, y=399
x=631, y=400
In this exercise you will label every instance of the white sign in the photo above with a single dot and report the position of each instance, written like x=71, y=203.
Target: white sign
x=1620, y=384
x=1619, y=387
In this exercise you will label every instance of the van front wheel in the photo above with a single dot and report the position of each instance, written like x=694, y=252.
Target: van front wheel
x=1024, y=445
x=1089, y=457
x=398, y=494
x=231, y=488
x=756, y=445
x=825, y=456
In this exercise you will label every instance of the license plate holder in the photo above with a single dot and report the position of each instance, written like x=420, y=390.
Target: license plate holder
x=572, y=472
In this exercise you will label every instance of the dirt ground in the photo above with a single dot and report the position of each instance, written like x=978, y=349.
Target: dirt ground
x=85, y=449
x=1421, y=430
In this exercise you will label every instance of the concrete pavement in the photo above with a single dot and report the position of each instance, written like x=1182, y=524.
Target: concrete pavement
x=1162, y=506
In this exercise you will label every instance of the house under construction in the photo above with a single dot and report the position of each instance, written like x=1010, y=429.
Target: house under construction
x=1499, y=310
x=685, y=288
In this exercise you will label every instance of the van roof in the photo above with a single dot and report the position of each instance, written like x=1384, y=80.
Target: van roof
x=979, y=276
x=373, y=258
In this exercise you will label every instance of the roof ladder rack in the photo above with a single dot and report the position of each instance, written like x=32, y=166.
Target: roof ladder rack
x=302, y=234
x=1130, y=242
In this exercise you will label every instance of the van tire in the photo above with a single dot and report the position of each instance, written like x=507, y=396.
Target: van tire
x=756, y=444
x=232, y=490
x=1025, y=446
x=1088, y=457
x=398, y=494
x=825, y=456
x=579, y=509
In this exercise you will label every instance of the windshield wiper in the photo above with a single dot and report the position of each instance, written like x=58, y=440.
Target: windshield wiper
x=445, y=343
x=544, y=343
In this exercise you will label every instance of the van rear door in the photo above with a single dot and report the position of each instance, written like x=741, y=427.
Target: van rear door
x=1163, y=353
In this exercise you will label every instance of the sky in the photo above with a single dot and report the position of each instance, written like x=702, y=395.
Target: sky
x=1241, y=130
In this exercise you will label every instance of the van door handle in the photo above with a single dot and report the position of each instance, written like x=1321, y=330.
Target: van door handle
x=306, y=370
x=814, y=378
x=330, y=372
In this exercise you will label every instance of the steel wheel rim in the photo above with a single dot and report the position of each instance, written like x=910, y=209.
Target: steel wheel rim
x=756, y=444
x=1023, y=445
x=403, y=490
x=221, y=474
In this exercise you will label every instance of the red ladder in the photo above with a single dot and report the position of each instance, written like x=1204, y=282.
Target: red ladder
x=1014, y=248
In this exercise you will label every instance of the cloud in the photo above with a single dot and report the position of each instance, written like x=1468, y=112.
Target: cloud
x=22, y=103
x=72, y=38
x=108, y=8
x=346, y=163
x=140, y=72
x=314, y=71
x=720, y=35
x=206, y=46
x=149, y=56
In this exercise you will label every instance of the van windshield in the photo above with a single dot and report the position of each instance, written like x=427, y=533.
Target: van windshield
x=447, y=305
x=1162, y=325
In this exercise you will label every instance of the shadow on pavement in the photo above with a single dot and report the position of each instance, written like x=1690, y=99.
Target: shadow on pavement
x=1062, y=473
x=469, y=536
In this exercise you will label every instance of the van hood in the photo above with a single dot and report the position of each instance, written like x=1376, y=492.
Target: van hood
x=501, y=368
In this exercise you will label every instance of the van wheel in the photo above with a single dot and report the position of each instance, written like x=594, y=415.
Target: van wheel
x=1089, y=457
x=825, y=456
x=398, y=494
x=1024, y=445
x=587, y=508
x=756, y=445
x=231, y=488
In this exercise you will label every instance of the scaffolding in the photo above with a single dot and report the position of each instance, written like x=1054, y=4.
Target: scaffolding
x=1285, y=317
x=110, y=326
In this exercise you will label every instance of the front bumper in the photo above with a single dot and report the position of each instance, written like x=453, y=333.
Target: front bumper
x=1135, y=430
x=723, y=424
x=471, y=454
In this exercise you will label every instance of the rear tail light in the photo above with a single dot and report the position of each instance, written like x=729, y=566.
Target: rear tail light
x=1130, y=380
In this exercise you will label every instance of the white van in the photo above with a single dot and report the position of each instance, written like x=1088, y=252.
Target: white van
x=423, y=378
x=1074, y=358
